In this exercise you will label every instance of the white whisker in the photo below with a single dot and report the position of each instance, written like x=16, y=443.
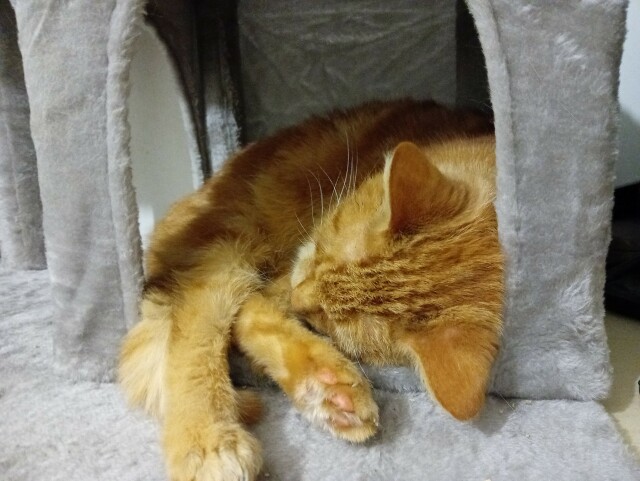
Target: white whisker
x=303, y=228
x=335, y=191
x=355, y=176
x=346, y=174
x=313, y=217
x=321, y=196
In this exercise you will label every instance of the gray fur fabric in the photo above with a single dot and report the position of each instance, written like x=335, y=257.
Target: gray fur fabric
x=76, y=57
x=21, y=239
x=552, y=73
x=307, y=57
x=55, y=429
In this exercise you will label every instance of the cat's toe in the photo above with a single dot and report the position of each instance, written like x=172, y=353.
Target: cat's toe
x=353, y=414
x=219, y=452
x=339, y=400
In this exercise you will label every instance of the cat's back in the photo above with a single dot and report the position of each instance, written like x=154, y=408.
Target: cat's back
x=300, y=172
x=272, y=192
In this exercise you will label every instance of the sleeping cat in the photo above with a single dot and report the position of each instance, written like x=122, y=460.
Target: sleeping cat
x=374, y=225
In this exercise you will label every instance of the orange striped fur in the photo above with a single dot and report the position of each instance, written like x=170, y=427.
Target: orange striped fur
x=376, y=226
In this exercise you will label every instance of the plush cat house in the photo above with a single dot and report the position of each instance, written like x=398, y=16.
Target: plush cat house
x=67, y=204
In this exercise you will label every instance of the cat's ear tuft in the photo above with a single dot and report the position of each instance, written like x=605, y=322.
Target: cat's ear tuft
x=455, y=364
x=416, y=191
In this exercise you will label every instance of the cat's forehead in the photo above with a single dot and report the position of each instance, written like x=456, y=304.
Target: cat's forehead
x=346, y=235
x=350, y=243
x=350, y=233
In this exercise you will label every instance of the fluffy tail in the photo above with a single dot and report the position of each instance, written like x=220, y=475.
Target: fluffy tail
x=143, y=358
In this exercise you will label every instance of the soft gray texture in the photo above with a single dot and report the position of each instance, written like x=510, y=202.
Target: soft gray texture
x=553, y=75
x=21, y=240
x=306, y=57
x=56, y=429
x=552, y=71
x=555, y=114
x=200, y=38
x=76, y=58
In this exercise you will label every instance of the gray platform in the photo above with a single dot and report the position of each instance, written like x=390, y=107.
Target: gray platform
x=52, y=429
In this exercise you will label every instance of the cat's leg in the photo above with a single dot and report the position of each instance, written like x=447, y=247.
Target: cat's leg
x=203, y=437
x=322, y=383
x=175, y=362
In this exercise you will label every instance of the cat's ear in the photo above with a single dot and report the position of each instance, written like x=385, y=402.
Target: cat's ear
x=416, y=191
x=454, y=360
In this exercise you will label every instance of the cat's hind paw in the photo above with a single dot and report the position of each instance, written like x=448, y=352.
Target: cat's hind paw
x=340, y=401
x=219, y=452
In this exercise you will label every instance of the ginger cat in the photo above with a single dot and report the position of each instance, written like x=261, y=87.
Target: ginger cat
x=376, y=226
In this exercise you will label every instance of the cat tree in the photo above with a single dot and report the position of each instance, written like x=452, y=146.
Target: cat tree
x=66, y=196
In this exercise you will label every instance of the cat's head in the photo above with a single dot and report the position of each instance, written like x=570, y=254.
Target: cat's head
x=392, y=273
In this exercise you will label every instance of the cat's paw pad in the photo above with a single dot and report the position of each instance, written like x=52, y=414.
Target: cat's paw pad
x=219, y=452
x=340, y=401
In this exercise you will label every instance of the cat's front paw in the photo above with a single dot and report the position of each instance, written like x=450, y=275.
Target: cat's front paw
x=339, y=400
x=218, y=452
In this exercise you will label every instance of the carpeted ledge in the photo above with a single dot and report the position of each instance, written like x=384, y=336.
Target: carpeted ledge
x=52, y=429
